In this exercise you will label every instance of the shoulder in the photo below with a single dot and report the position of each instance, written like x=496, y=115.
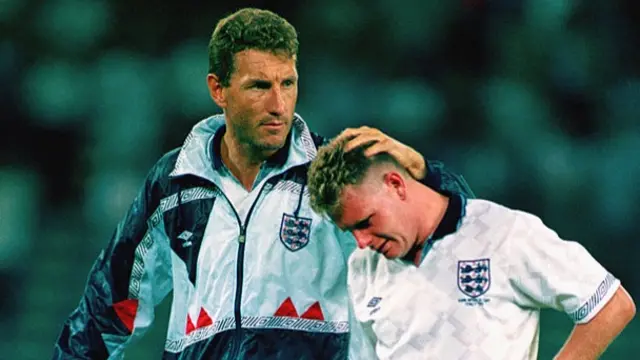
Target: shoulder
x=507, y=228
x=520, y=222
x=167, y=162
x=489, y=212
x=158, y=182
x=489, y=223
x=493, y=214
x=164, y=166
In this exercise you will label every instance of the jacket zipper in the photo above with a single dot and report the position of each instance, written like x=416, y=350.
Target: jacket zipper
x=242, y=237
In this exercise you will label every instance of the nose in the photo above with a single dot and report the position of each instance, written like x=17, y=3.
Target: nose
x=276, y=104
x=363, y=239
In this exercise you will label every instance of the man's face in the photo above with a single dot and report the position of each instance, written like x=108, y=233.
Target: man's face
x=376, y=215
x=260, y=100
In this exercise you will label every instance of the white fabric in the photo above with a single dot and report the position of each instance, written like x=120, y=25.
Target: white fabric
x=268, y=265
x=424, y=312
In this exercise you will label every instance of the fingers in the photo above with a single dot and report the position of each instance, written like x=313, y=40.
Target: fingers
x=382, y=146
x=382, y=143
x=361, y=136
x=362, y=140
x=351, y=133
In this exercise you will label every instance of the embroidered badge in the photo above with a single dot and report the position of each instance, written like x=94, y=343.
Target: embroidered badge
x=474, y=279
x=295, y=231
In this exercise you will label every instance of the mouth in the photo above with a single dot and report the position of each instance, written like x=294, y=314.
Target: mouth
x=273, y=124
x=382, y=249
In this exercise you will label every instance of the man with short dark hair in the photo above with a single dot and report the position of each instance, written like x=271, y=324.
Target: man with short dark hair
x=225, y=222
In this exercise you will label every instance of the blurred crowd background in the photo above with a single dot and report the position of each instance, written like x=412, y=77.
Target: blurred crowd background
x=535, y=102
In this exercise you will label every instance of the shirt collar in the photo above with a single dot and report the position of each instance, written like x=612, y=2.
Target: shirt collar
x=450, y=223
x=276, y=160
x=197, y=156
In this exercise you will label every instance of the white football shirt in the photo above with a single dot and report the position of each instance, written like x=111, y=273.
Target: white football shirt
x=478, y=291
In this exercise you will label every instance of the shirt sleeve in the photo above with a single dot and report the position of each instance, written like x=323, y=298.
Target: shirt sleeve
x=549, y=272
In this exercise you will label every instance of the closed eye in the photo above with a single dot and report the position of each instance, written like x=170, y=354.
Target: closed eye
x=362, y=224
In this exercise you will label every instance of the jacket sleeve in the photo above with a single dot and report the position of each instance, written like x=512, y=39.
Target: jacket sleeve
x=443, y=180
x=129, y=278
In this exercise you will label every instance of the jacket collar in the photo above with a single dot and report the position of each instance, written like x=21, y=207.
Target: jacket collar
x=198, y=156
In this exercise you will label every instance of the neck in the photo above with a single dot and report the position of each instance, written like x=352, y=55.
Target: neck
x=239, y=158
x=433, y=207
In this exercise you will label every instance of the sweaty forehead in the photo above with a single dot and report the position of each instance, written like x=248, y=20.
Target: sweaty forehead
x=354, y=207
x=264, y=64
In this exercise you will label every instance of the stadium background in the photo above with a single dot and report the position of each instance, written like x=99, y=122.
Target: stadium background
x=535, y=102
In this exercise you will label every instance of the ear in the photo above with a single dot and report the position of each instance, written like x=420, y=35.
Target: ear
x=216, y=91
x=396, y=183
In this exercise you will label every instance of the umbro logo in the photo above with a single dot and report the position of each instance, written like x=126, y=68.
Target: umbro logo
x=373, y=303
x=185, y=236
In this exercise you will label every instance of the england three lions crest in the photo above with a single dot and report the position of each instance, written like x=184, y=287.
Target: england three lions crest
x=295, y=231
x=474, y=277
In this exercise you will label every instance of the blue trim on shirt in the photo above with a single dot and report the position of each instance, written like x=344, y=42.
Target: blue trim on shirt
x=451, y=221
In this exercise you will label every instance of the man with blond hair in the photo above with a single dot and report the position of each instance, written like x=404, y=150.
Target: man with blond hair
x=433, y=282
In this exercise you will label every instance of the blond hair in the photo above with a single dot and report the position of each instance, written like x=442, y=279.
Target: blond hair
x=333, y=169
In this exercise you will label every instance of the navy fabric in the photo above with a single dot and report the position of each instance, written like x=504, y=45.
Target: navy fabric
x=108, y=281
x=267, y=344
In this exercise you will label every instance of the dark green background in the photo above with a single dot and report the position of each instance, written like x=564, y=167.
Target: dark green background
x=535, y=102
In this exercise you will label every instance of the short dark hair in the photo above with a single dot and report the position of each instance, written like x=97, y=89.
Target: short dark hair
x=245, y=29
